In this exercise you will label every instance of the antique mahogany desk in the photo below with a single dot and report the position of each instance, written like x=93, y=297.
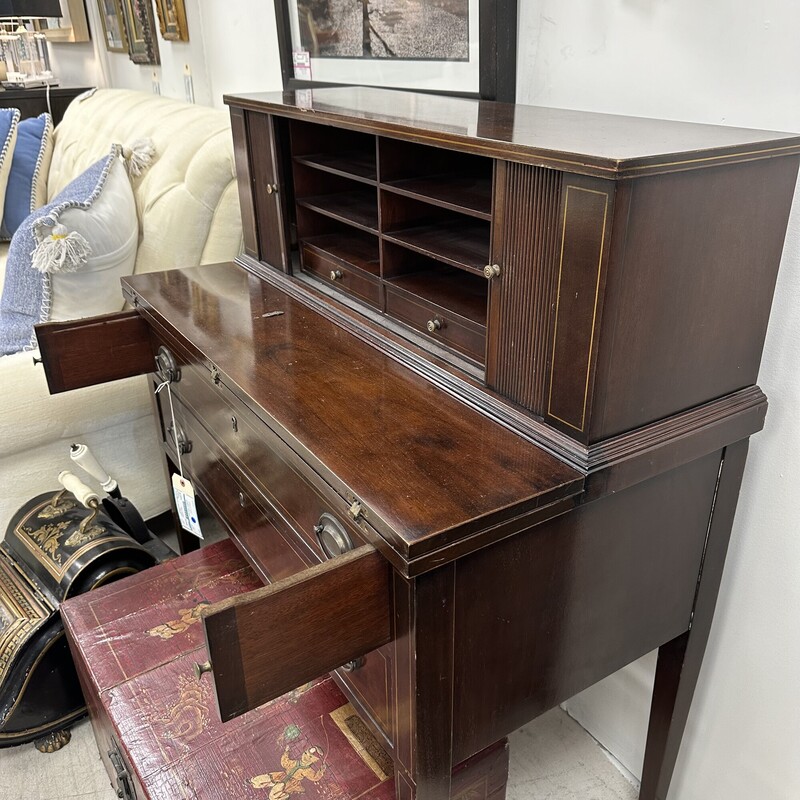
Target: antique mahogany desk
x=475, y=401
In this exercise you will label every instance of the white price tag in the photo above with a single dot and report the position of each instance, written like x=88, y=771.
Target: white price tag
x=301, y=60
x=185, y=503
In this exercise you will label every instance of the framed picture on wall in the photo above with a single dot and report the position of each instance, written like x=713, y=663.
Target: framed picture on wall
x=463, y=47
x=172, y=20
x=113, y=25
x=137, y=16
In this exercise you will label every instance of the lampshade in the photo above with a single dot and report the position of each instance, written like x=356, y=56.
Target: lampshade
x=30, y=8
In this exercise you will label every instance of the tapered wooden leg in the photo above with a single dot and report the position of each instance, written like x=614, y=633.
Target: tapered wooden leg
x=424, y=629
x=679, y=661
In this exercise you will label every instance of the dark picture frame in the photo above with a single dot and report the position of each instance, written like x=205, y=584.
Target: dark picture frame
x=140, y=31
x=172, y=20
x=497, y=65
x=111, y=11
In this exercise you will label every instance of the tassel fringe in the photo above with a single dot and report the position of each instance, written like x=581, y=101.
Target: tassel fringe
x=61, y=251
x=139, y=156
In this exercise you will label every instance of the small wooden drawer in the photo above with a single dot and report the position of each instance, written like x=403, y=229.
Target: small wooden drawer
x=344, y=276
x=441, y=325
x=265, y=643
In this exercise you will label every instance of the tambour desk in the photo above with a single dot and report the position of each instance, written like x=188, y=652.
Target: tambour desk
x=475, y=403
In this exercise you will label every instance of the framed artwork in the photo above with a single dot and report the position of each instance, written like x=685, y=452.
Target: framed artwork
x=137, y=16
x=72, y=26
x=113, y=25
x=460, y=47
x=172, y=20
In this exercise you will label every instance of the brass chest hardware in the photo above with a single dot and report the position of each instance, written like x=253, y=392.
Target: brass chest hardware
x=491, y=271
x=272, y=188
x=166, y=366
x=201, y=669
x=333, y=538
x=434, y=325
x=356, y=510
x=179, y=437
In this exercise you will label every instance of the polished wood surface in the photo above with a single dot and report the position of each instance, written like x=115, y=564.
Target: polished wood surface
x=341, y=605
x=394, y=457
x=578, y=141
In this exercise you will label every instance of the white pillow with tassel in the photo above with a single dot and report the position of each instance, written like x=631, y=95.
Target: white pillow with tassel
x=66, y=259
x=88, y=251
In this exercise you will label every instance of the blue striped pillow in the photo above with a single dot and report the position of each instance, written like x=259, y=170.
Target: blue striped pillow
x=27, y=180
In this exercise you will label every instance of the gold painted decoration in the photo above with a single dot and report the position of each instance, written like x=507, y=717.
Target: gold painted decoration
x=22, y=612
x=186, y=719
x=56, y=509
x=80, y=537
x=283, y=783
x=48, y=537
x=187, y=617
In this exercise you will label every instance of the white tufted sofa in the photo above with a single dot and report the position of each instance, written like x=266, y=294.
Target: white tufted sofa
x=188, y=211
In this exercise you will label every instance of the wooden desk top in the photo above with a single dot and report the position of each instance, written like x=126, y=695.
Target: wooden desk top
x=429, y=470
x=605, y=145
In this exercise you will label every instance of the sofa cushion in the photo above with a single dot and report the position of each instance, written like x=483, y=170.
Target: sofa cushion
x=9, y=123
x=187, y=200
x=27, y=181
x=65, y=260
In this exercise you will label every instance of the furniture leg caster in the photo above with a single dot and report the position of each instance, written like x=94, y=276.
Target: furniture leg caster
x=53, y=741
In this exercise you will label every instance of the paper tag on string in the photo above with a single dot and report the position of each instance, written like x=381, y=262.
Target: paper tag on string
x=185, y=504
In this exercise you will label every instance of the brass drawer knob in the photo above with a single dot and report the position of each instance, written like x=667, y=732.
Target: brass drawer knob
x=434, y=325
x=336, y=275
x=272, y=188
x=352, y=666
x=199, y=669
x=491, y=271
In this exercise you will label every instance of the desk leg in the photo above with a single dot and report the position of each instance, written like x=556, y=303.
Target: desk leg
x=424, y=630
x=679, y=661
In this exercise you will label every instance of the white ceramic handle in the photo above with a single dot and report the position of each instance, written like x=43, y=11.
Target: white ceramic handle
x=85, y=459
x=72, y=483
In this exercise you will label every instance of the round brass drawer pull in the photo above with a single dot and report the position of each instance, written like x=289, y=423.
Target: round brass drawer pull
x=272, y=188
x=336, y=275
x=199, y=669
x=491, y=271
x=166, y=366
x=352, y=666
x=332, y=537
x=434, y=325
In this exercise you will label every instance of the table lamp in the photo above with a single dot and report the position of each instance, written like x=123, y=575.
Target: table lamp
x=24, y=50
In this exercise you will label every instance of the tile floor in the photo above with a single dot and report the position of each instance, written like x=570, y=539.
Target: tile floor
x=553, y=758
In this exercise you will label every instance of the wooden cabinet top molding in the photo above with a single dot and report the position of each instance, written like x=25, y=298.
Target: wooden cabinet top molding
x=603, y=145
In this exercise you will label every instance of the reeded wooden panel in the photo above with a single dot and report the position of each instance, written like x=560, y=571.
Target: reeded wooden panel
x=524, y=244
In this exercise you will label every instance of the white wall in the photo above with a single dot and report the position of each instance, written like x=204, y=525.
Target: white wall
x=232, y=47
x=734, y=62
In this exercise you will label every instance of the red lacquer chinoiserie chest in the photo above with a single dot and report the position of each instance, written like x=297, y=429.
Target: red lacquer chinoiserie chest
x=136, y=644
